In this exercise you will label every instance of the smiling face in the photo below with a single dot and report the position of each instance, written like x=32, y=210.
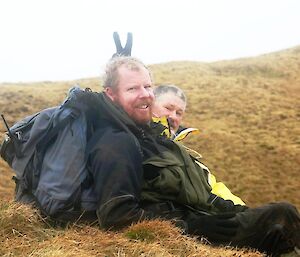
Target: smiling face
x=171, y=106
x=134, y=93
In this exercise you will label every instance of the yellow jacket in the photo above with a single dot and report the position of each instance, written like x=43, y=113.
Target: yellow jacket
x=218, y=188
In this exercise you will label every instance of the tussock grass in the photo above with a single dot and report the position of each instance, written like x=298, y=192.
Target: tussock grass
x=168, y=240
x=21, y=229
x=24, y=233
x=19, y=220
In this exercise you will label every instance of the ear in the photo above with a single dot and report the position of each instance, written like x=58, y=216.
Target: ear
x=110, y=93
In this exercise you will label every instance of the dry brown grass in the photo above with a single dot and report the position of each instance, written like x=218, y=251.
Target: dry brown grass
x=24, y=233
x=248, y=112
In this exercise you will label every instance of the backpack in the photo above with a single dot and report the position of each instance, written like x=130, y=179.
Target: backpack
x=47, y=153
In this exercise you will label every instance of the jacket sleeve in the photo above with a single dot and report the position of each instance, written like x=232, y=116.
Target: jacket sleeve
x=116, y=166
x=219, y=188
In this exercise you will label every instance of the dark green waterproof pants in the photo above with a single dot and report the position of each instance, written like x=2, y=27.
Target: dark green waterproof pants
x=272, y=228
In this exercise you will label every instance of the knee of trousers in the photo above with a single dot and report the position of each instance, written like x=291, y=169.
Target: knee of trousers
x=277, y=228
x=285, y=207
x=285, y=213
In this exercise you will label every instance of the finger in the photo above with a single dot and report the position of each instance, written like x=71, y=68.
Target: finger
x=217, y=237
x=227, y=231
x=226, y=215
x=227, y=223
x=128, y=46
x=119, y=47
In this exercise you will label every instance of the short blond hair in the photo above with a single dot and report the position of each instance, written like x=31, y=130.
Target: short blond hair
x=111, y=76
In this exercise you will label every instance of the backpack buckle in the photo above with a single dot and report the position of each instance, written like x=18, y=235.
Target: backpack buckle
x=19, y=135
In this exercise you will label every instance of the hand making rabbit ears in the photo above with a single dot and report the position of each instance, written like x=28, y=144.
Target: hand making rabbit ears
x=120, y=51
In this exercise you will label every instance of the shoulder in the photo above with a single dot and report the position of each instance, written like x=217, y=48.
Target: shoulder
x=109, y=138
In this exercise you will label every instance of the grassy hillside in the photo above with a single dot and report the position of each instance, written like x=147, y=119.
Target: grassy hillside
x=248, y=112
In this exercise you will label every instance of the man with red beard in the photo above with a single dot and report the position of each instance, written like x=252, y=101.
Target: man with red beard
x=139, y=174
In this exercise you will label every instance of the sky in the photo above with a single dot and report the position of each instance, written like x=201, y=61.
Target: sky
x=52, y=40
